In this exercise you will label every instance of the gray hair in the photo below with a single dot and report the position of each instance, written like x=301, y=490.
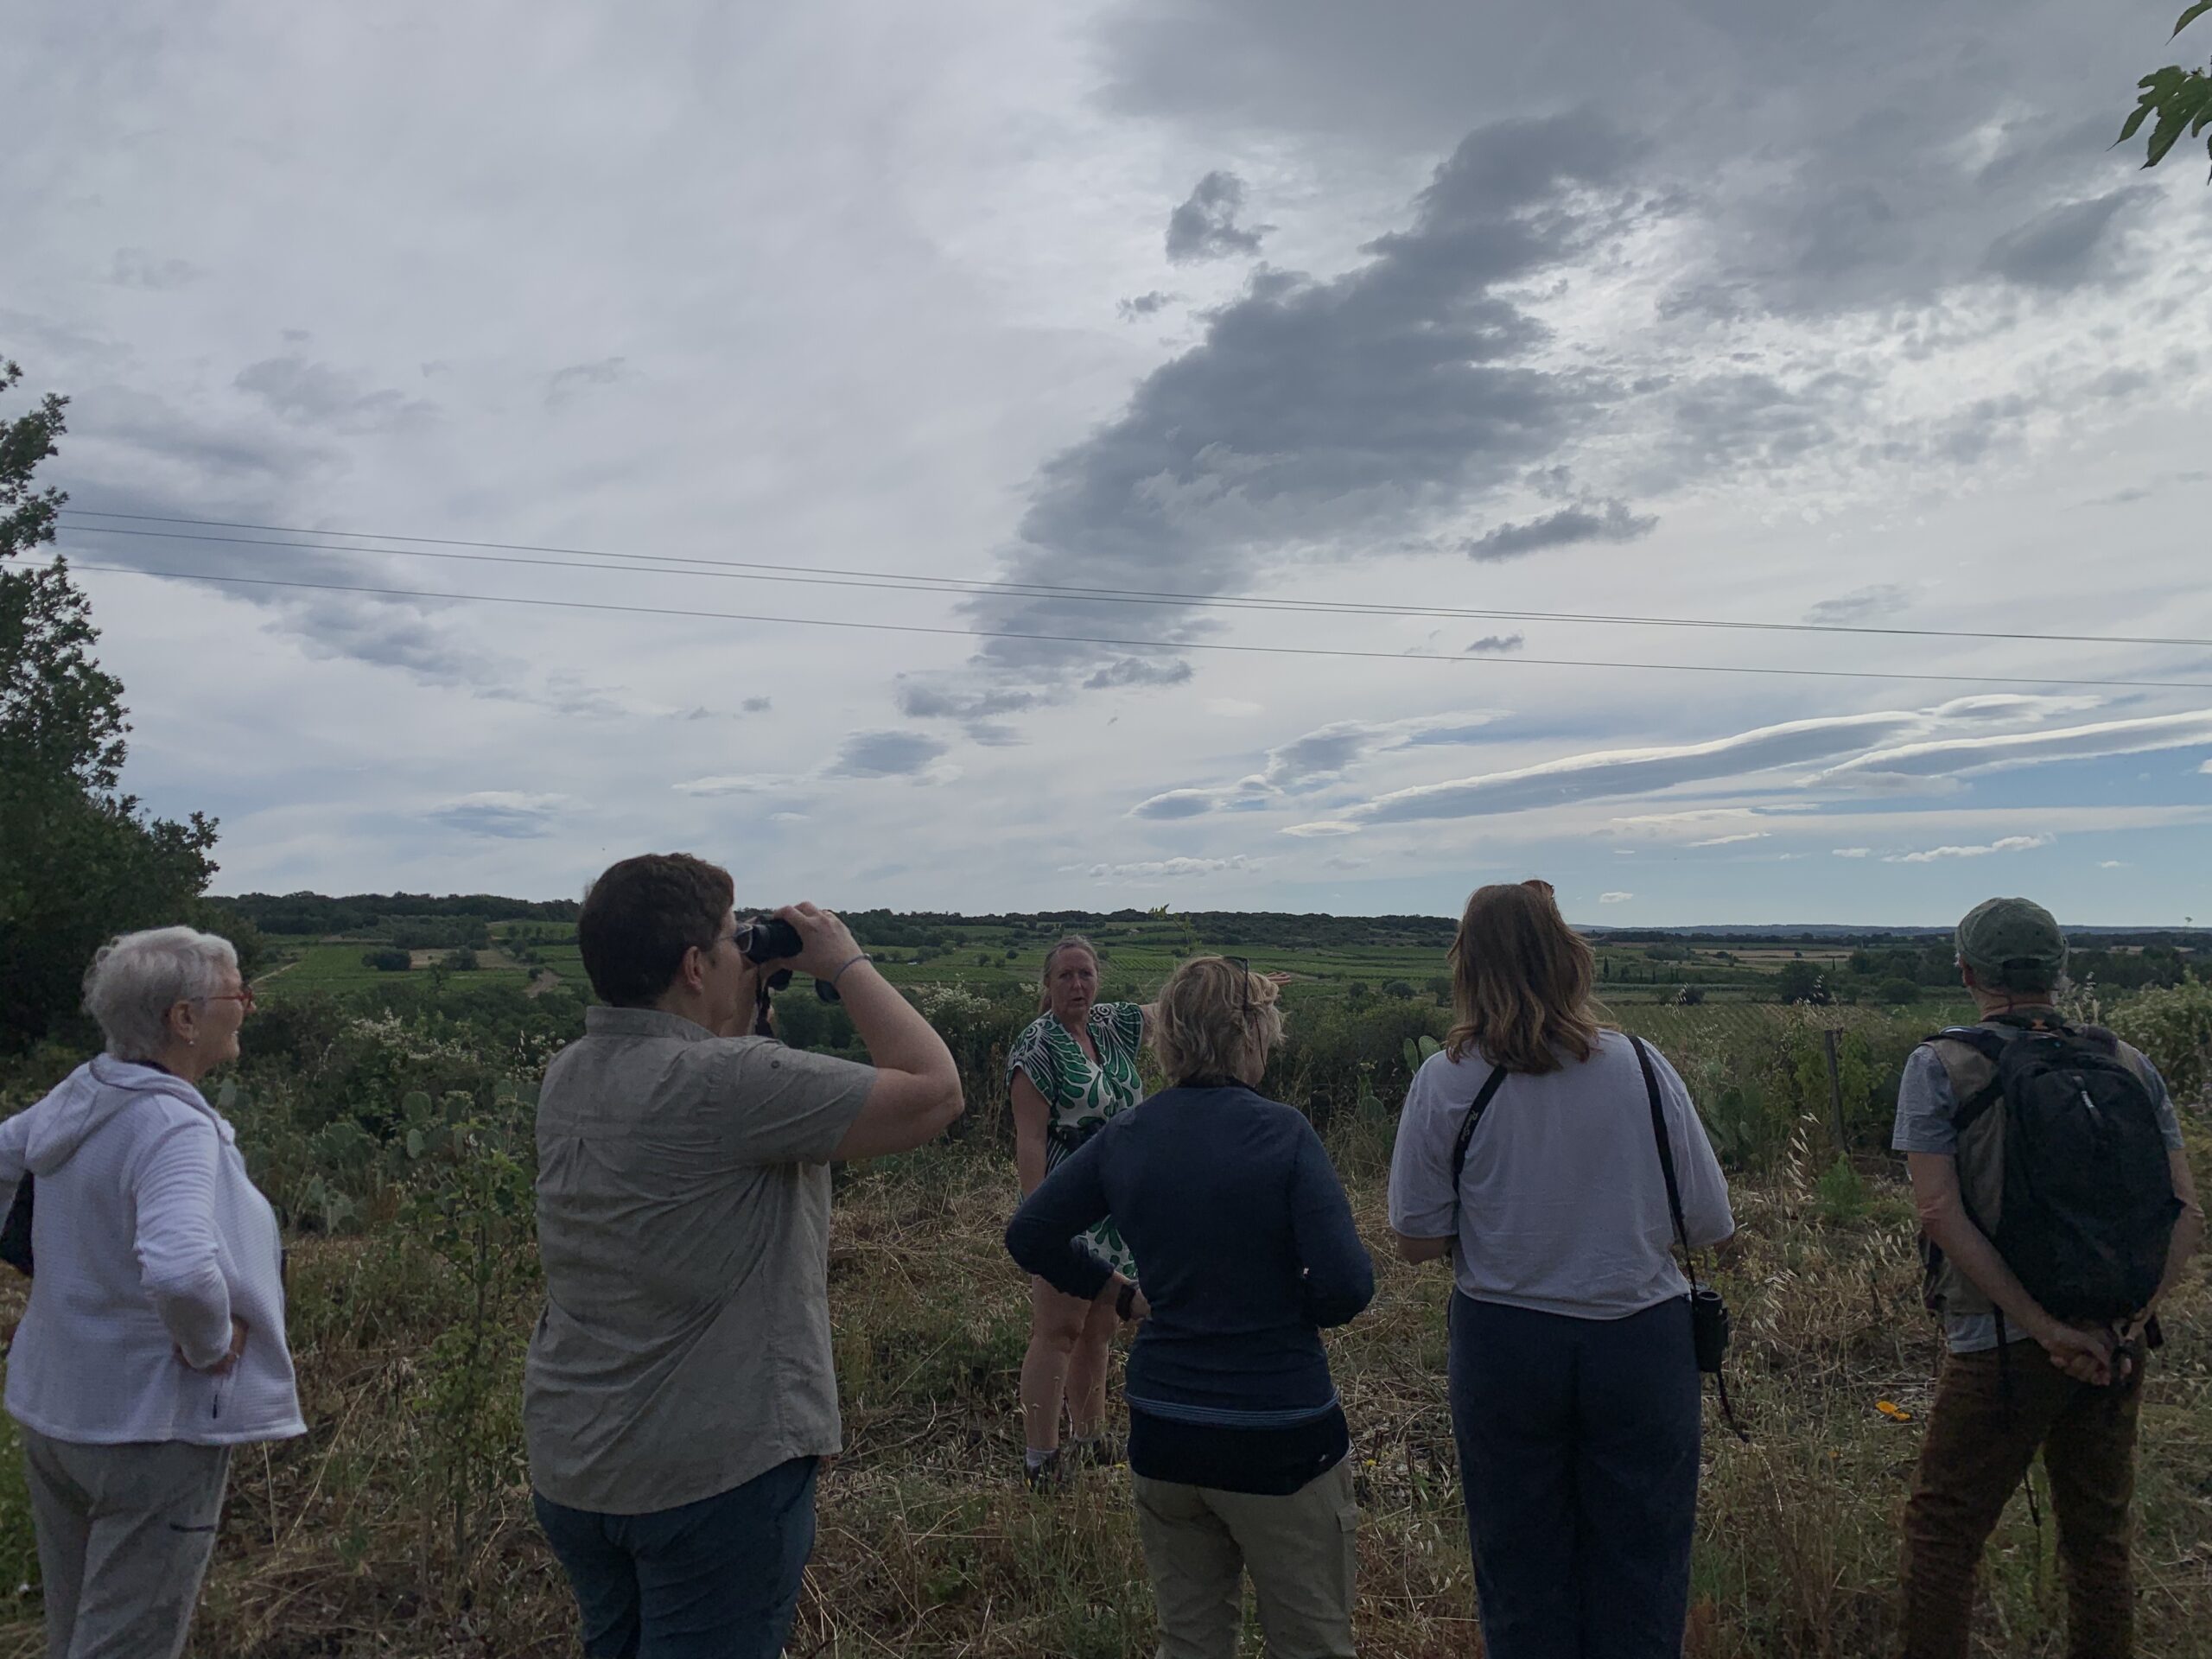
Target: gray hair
x=136, y=978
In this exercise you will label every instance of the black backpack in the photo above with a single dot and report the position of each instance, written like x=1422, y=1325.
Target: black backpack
x=2089, y=1206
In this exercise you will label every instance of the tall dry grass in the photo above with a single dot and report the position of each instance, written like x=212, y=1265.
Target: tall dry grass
x=338, y=1545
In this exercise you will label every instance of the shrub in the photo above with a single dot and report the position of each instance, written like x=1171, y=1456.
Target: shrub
x=2173, y=1025
x=1898, y=989
x=461, y=961
x=387, y=960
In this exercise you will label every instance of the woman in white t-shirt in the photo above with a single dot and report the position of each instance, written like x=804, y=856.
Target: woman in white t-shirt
x=1574, y=1388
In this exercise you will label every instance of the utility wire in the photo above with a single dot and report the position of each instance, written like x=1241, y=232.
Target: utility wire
x=830, y=576
x=1133, y=645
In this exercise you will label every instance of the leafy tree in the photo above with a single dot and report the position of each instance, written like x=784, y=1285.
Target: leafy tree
x=79, y=862
x=1801, y=982
x=2180, y=98
x=387, y=960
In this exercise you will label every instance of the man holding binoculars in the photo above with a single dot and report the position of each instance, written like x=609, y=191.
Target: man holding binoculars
x=679, y=1390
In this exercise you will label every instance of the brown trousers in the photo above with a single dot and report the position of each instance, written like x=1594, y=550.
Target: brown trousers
x=1979, y=1446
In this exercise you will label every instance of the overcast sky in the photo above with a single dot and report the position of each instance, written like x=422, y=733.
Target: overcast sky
x=1718, y=311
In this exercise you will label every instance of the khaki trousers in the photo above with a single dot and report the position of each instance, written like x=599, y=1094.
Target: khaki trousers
x=124, y=1533
x=1300, y=1550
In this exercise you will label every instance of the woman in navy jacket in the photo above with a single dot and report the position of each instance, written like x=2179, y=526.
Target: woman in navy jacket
x=1236, y=1438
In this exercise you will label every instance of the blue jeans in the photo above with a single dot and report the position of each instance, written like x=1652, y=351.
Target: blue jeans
x=1579, y=1460
x=715, y=1579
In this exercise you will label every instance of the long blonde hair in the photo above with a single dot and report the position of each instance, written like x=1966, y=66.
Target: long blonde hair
x=1072, y=942
x=1521, y=982
x=1215, y=1019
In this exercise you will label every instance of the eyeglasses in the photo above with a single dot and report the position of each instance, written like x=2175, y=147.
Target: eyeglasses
x=242, y=996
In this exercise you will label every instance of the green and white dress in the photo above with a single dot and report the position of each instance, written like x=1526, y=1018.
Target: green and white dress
x=1080, y=1096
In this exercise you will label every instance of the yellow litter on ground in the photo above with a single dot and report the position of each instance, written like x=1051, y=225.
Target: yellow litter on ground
x=1890, y=1409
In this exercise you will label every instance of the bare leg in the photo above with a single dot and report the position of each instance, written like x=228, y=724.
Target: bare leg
x=1086, y=1374
x=1056, y=1326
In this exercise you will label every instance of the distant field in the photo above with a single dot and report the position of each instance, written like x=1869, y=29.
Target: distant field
x=995, y=958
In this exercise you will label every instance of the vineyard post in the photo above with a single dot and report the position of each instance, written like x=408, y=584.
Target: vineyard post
x=1828, y=1035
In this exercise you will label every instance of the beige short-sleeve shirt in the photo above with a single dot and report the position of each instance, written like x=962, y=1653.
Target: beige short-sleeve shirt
x=684, y=1222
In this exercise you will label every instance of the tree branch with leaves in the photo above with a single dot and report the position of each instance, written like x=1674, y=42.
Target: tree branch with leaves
x=2180, y=99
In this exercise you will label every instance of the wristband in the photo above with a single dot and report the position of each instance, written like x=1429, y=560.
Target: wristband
x=840, y=974
x=1126, y=1302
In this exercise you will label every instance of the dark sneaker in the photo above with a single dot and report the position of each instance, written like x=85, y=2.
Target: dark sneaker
x=1100, y=1452
x=1049, y=1477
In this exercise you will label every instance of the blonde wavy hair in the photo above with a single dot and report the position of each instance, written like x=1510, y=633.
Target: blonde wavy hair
x=1215, y=1019
x=1521, y=982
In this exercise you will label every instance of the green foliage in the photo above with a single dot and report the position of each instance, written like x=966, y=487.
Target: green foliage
x=2180, y=99
x=387, y=960
x=2173, y=1027
x=1801, y=982
x=1841, y=1193
x=469, y=1198
x=88, y=862
x=461, y=961
x=1898, y=990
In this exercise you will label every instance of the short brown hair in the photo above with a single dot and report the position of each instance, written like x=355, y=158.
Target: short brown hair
x=1215, y=1019
x=1521, y=982
x=641, y=916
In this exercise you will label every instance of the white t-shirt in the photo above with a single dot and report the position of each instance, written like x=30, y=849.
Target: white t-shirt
x=1562, y=1206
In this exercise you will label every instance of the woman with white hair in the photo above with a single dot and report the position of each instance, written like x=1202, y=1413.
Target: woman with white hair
x=155, y=1337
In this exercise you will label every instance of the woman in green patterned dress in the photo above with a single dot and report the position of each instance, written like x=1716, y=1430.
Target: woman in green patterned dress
x=1073, y=1067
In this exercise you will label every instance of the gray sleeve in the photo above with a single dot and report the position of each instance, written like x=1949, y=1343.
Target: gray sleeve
x=1925, y=1107
x=788, y=1106
x=1423, y=1203
x=2163, y=1099
x=1706, y=1215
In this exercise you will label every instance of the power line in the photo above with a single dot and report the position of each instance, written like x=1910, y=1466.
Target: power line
x=832, y=576
x=1134, y=644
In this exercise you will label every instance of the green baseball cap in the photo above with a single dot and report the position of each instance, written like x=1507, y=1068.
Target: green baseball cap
x=2012, y=944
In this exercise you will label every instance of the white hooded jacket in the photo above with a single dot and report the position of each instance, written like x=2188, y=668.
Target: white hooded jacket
x=147, y=1237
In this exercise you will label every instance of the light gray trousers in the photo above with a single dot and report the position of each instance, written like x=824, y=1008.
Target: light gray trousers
x=124, y=1533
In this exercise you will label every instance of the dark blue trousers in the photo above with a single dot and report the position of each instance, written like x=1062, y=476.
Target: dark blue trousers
x=1578, y=1459
x=715, y=1579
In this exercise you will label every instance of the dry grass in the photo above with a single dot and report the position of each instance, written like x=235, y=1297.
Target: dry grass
x=333, y=1545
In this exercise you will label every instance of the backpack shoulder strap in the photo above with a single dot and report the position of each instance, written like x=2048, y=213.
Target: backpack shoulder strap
x=1969, y=1056
x=1475, y=1110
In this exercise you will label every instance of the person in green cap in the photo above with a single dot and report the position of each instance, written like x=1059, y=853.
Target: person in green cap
x=2046, y=1281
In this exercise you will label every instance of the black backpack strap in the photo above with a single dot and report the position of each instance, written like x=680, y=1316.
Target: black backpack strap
x=1475, y=1111
x=1666, y=1151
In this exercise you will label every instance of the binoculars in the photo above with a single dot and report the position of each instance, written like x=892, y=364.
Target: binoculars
x=771, y=938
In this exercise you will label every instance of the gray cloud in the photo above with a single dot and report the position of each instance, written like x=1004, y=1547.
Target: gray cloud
x=135, y=267
x=564, y=383
x=1498, y=642
x=1563, y=529
x=1138, y=671
x=1177, y=804
x=302, y=390
x=1317, y=758
x=1628, y=772
x=1947, y=756
x=883, y=755
x=1144, y=305
x=919, y=699
x=757, y=705
x=1883, y=599
x=2058, y=248
x=1366, y=402
x=502, y=814
x=1204, y=227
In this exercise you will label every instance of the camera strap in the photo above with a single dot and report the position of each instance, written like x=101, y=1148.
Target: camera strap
x=1476, y=1108
x=1674, y=1209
